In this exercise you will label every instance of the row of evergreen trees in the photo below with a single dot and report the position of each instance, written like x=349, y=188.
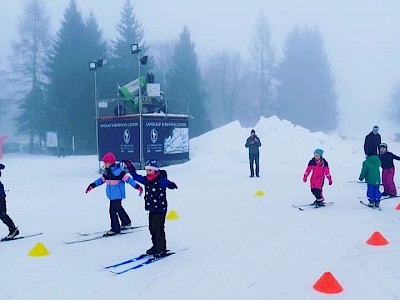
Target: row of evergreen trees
x=52, y=74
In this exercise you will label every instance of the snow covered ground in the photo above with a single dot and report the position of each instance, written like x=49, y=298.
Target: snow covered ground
x=240, y=246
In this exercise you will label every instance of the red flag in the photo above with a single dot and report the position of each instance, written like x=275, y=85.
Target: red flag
x=2, y=140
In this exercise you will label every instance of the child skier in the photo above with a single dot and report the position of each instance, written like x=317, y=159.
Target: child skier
x=319, y=168
x=13, y=230
x=370, y=172
x=388, y=170
x=155, y=197
x=115, y=179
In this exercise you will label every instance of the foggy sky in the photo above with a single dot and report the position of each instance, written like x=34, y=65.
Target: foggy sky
x=362, y=39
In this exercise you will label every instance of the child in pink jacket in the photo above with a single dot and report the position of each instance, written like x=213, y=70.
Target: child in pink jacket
x=319, y=168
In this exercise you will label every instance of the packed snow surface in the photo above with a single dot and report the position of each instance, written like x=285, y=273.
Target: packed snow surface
x=240, y=246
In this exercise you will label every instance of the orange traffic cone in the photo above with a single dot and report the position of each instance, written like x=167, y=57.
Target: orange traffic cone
x=377, y=239
x=328, y=284
x=398, y=207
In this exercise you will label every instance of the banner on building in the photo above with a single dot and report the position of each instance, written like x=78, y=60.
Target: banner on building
x=166, y=139
x=119, y=136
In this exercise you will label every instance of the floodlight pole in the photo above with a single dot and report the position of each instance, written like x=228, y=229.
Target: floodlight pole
x=135, y=50
x=140, y=116
x=93, y=67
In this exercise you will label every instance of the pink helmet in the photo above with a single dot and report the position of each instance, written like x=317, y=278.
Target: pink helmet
x=109, y=157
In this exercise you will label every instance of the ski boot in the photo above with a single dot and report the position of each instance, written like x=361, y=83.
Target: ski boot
x=110, y=233
x=13, y=232
x=151, y=251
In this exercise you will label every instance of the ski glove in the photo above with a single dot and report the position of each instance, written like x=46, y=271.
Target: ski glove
x=129, y=165
x=172, y=185
x=330, y=181
x=305, y=178
x=90, y=187
x=140, y=190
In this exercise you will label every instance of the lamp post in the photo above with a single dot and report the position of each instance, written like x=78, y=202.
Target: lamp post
x=135, y=50
x=93, y=65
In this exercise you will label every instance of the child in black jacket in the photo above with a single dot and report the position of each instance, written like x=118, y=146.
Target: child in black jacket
x=13, y=230
x=155, y=197
x=388, y=170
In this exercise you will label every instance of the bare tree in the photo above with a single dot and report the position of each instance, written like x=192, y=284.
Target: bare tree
x=162, y=52
x=224, y=82
x=263, y=60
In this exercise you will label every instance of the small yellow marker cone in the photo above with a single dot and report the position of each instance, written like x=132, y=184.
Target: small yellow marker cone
x=39, y=250
x=172, y=215
x=259, y=193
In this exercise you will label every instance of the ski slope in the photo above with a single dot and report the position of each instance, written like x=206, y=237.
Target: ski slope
x=240, y=246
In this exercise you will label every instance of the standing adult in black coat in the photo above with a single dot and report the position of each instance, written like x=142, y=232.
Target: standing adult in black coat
x=253, y=143
x=372, y=142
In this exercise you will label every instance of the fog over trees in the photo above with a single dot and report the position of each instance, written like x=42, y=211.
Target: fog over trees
x=29, y=64
x=54, y=90
x=306, y=93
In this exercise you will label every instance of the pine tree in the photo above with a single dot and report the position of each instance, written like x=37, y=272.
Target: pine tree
x=123, y=66
x=29, y=63
x=184, y=92
x=307, y=94
x=71, y=94
x=95, y=48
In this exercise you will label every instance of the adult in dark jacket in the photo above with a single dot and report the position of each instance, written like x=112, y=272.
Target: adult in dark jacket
x=253, y=143
x=372, y=142
x=388, y=170
x=155, y=196
x=13, y=230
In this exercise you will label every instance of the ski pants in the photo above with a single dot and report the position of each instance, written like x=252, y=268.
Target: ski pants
x=373, y=193
x=389, y=187
x=118, y=212
x=156, y=228
x=254, y=159
x=317, y=194
x=3, y=215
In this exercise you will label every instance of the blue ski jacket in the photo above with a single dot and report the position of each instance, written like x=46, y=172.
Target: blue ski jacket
x=115, y=178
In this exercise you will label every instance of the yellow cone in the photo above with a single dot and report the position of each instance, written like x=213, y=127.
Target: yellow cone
x=172, y=215
x=39, y=250
x=259, y=193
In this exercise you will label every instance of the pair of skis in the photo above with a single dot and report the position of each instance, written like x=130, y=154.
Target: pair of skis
x=373, y=207
x=96, y=235
x=312, y=205
x=143, y=259
x=148, y=259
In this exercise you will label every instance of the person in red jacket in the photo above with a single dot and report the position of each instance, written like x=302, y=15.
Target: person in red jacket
x=319, y=168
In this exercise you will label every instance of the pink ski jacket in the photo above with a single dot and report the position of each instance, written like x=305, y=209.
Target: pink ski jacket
x=319, y=170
